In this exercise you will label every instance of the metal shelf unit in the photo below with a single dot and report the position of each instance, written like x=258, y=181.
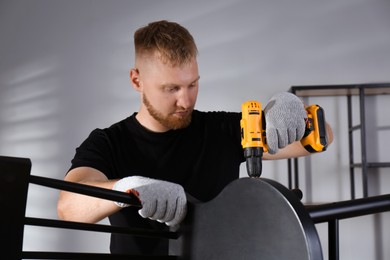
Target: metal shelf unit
x=347, y=90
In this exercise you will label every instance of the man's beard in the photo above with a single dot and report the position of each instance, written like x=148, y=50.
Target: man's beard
x=170, y=121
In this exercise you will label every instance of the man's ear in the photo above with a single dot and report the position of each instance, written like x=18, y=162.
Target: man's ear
x=135, y=79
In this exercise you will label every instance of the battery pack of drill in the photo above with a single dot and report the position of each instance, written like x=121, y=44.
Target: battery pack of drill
x=253, y=135
x=315, y=139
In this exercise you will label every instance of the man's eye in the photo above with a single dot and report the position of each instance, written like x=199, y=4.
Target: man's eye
x=172, y=89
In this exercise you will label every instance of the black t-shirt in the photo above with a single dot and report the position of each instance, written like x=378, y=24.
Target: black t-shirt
x=203, y=158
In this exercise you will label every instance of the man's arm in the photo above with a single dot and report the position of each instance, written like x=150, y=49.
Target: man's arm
x=296, y=149
x=161, y=200
x=81, y=208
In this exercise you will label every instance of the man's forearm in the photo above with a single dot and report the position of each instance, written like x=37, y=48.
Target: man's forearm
x=82, y=208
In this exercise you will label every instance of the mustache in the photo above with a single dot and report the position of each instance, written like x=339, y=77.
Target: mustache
x=182, y=109
x=186, y=111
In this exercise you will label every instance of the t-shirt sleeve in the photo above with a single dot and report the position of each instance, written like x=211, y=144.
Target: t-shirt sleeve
x=94, y=152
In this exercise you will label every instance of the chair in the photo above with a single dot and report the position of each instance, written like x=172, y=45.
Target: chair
x=252, y=218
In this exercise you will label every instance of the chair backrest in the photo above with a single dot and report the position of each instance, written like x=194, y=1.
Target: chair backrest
x=252, y=218
x=249, y=219
x=14, y=180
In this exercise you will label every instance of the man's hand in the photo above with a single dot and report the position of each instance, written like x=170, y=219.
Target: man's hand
x=161, y=200
x=285, y=117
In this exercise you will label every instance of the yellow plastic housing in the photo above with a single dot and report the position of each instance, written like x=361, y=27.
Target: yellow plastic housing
x=252, y=129
x=315, y=138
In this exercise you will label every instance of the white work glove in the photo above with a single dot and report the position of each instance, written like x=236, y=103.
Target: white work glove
x=285, y=117
x=163, y=201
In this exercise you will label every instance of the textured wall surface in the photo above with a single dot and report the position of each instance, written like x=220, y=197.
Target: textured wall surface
x=64, y=71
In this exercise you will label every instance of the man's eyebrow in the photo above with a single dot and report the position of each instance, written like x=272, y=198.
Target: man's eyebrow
x=197, y=79
x=167, y=85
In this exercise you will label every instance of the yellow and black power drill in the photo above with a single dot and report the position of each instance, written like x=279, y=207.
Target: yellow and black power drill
x=253, y=135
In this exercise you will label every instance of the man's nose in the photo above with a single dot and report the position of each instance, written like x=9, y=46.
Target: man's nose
x=185, y=99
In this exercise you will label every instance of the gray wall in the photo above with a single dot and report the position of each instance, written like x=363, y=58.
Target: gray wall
x=64, y=71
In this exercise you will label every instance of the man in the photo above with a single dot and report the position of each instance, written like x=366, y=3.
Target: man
x=168, y=149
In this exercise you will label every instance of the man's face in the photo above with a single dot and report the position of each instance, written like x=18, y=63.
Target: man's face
x=168, y=94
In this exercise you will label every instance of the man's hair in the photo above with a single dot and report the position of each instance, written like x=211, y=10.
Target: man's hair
x=173, y=43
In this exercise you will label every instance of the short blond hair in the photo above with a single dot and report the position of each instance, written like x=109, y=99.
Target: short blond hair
x=173, y=43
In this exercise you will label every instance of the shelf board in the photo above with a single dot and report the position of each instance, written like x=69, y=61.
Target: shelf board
x=372, y=165
x=341, y=90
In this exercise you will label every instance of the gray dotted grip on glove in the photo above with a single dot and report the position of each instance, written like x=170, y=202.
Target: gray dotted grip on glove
x=285, y=116
x=162, y=201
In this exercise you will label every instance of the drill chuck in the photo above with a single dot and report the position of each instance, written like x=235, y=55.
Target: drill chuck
x=253, y=157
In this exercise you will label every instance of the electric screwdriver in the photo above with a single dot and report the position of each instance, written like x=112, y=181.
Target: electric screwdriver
x=253, y=139
x=253, y=135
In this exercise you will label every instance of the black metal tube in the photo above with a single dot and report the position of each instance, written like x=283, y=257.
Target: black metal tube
x=350, y=145
x=289, y=173
x=296, y=175
x=363, y=141
x=86, y=256
x=349, y=209
x=100, y=228
x=333, y=239
x=86, y=190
